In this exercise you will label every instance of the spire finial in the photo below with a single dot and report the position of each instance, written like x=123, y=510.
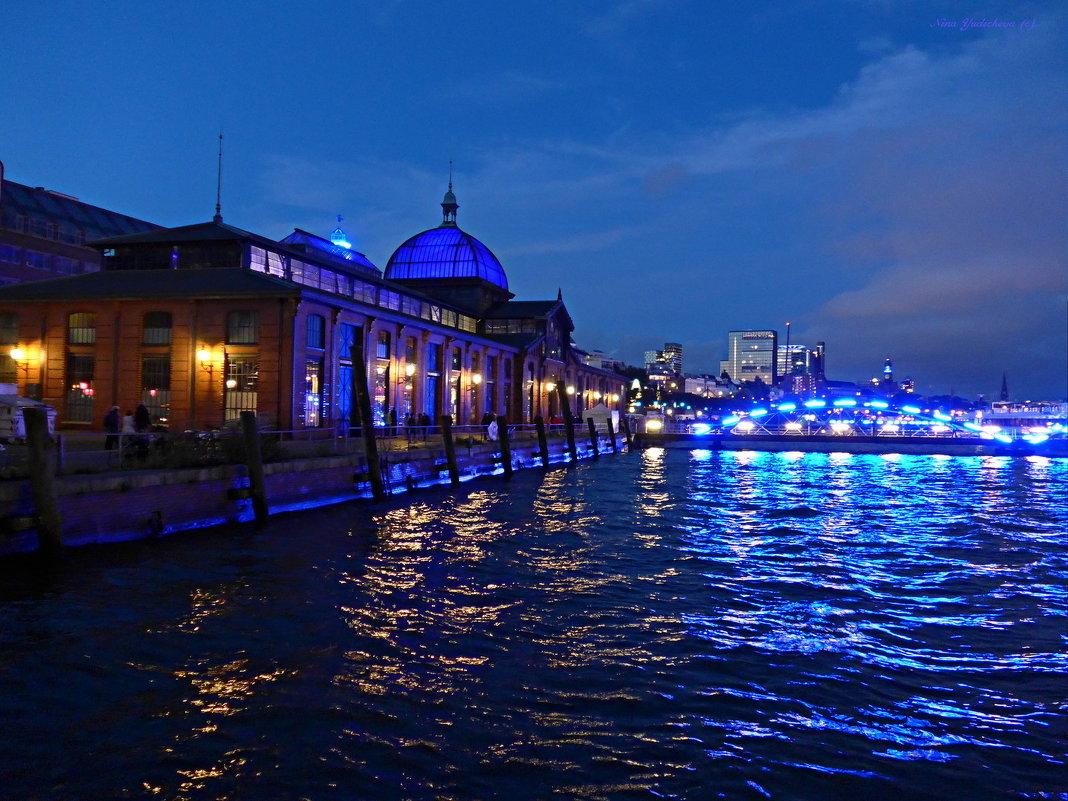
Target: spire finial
x=218, y=185
x=449, y=204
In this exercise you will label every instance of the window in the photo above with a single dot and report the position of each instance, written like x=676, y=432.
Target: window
x=241, y=386
x=242, y=328
x=433, y=358
x=37, y=260
x=156, y=386
x=316, y=331
x=313, y=387
x=10, y=254
x=157, y=328
x=81, y=328
x=80, y=388
x=457, y=359
x=382, y=346
x=9, y=337
x=411, y=350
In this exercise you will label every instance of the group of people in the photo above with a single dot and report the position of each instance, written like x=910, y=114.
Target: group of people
x=138, y=421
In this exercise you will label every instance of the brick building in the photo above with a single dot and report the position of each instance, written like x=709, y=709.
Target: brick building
x=202, y=322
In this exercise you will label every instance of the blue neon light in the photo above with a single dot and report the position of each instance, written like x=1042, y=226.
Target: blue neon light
x=729, y=421
x=911, y=409
x=786, y=407
x=973, y=427
x=1003, y=438
x=1037, y=439
x=701, y=429
x=942, y=416
x=758, y=412
x=845, y=402
x=815, y=404
x=880, y=404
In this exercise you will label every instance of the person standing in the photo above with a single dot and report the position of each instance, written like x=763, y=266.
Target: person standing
x=142, y=419
x=111, y=426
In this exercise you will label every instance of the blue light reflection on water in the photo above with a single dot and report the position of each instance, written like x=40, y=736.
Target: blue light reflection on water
x=659, y=624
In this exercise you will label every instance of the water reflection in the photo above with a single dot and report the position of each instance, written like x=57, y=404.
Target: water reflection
x=664, y=624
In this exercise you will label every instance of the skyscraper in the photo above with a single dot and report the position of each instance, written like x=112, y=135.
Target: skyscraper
x=751, y=355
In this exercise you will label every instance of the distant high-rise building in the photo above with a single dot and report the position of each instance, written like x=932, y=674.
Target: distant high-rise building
x=672, y=354
x=751, y=355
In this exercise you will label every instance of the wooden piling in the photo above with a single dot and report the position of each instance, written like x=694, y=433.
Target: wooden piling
x=506, y=445
x=362, y=400
x=625, y=421
x=543, y=441
x=569, y=420
x=42, y=480
x=612, y=435
x=593, y=437
x=254, y=461
x=450, y=449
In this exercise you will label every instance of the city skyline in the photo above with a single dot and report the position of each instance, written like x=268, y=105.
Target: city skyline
x=888, y=182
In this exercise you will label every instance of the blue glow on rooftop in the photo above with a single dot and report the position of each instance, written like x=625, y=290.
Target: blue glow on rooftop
x=701, y=429
x=911, y=409
x=878, y=404
x=729, y=421
x=758, y=412
x=786, y=407
x=815, y=404
x=845, y=402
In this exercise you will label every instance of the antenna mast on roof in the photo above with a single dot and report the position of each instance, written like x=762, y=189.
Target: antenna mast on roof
x=218, y=186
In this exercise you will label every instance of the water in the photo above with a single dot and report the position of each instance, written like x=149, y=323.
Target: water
x=652, y=625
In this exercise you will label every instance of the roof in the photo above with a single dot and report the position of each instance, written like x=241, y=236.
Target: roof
x=135, y=284
x=325, y=249
x=40, y=204
x=445, y=252
x=521, y=309
x=517, y=341
x=198, y=232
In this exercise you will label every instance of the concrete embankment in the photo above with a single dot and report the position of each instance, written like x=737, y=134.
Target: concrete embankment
x=136, y=504
x=946, y=446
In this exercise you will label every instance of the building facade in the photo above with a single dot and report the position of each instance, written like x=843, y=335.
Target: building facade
x=43, y=233
x=205, y=321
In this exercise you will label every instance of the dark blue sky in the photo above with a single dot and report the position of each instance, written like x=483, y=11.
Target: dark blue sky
x=888, y=182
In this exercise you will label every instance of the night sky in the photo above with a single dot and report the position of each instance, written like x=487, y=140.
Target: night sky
x=885, y=176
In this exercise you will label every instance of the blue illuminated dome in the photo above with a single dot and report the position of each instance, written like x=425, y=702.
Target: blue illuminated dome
x=445, y=252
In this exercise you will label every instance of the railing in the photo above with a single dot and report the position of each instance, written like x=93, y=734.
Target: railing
x=96, y=452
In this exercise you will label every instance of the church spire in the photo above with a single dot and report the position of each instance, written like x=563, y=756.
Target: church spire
x=449, y=204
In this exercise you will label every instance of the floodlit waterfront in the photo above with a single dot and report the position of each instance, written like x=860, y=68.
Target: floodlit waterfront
x=662, y=624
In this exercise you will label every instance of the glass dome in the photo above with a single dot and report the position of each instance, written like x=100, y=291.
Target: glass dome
x=445, y=252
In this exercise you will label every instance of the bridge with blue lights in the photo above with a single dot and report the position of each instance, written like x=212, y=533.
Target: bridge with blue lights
x=872, y=426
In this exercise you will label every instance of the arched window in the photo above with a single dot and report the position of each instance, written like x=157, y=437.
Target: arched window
x=81, y=328
x=157, y=328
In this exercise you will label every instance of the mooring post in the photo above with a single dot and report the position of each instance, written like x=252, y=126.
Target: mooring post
x=254, y=461
x=506, y=445
x=612, y=436
x=43, y=480
x=625, y=421
x=362, y=399
x=569, y=420
x=543, y=441
x=593, y=437
x=450, y=448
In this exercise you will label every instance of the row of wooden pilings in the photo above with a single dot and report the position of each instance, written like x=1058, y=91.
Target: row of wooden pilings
x=41, y=456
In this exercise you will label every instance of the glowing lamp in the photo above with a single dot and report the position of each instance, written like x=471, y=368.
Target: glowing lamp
x=815, y=404
x=231, y=383
x=653, y=425
x=203, y=355
x=745, y=426
x=701, y=429
x=840, y=428
x=18, y=354
x=550, y=386
x=409, y=369
x=786, y=407
x=793, y=426
x=570, y=390
x=911, y=409
x=476, y=378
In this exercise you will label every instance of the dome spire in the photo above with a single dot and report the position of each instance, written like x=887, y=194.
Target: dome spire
x=449, y=204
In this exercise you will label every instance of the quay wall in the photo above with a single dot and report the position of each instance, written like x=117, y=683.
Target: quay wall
x=138, y=504
x=921, y=446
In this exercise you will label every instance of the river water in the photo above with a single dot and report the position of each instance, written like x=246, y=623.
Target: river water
x=660, y=624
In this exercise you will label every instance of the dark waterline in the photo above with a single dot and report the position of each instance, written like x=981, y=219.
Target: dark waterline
x=653, y=625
